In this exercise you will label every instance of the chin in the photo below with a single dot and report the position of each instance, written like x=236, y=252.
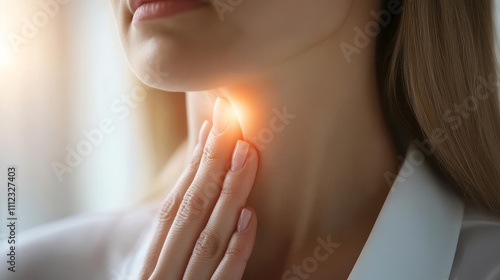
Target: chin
x=168, y=72
x=179, y=69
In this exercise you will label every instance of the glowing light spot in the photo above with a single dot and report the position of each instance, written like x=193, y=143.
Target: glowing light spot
x=238, y=112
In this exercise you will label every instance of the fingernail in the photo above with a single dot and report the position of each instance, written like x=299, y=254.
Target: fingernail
x=239, y=155
x=244, y=220
x=203, y=135
x=222, y=114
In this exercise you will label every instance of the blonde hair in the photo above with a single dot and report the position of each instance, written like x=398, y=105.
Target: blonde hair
x=439, y=73
x=434, y=56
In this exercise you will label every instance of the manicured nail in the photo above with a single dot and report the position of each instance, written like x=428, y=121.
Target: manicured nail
x=244, y=220
x=222, y=115
x=239, y=155
x=204, y=131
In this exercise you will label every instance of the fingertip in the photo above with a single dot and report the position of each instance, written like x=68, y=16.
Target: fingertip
x=224, y=118
x=253, y=155
x=247, y=221
x=204, y=132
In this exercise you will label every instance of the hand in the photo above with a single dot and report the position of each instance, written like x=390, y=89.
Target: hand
x=203, y=230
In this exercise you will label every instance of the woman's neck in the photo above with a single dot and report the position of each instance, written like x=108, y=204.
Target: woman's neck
x=324, y=147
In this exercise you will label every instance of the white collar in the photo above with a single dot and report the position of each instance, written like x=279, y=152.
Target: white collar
x=416, y=233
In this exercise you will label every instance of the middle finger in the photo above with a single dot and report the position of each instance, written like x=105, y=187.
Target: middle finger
x=200, y=198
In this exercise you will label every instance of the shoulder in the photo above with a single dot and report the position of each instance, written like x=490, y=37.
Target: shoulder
x=79, y=247
x=478, y=250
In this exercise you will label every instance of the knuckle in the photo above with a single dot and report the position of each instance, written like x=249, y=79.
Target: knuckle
x=229, y=193
x=234, y=252
x=190, y=209
x=207, y=246
x=209, y=190
x=194, y=163
x=216, y=178
x=210, y=185
x=209, y=155
x=167, y=210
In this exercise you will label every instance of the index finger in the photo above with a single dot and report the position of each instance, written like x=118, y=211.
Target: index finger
x=168, y=209
x=201, y=196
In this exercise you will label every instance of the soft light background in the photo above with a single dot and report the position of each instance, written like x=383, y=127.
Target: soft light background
x=62, y=82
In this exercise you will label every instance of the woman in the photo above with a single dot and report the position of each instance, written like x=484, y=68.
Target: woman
x=361, y=134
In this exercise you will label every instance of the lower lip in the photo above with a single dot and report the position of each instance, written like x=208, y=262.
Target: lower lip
x=166, y=8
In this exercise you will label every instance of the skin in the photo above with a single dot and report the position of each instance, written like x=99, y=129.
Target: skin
x=320, y=173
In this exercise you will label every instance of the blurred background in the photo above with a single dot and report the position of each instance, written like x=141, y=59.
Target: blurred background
x=85, y=135
x=73, y=118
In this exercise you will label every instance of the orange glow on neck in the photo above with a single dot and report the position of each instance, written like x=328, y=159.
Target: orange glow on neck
x=239, y=113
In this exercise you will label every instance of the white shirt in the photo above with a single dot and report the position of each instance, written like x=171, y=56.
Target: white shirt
x=423, y=232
